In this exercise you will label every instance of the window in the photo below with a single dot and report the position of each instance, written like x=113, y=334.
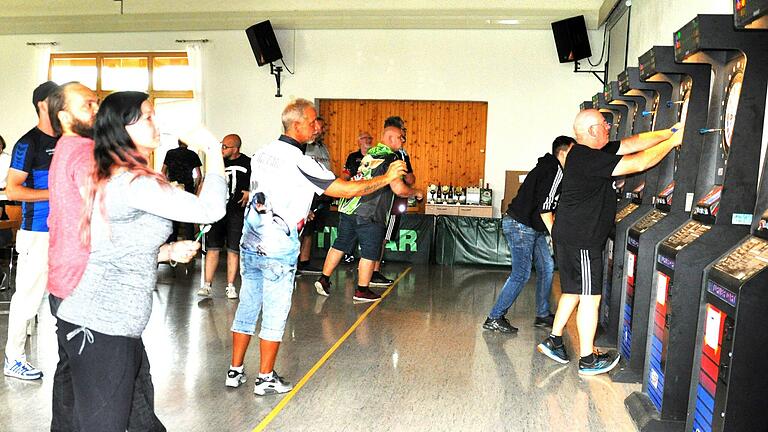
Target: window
x=165, y=76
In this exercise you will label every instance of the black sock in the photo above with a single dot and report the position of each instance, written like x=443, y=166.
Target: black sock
x=558, y=340
x=325, y=278
x=303, y=263
x=588, y=359
x=362, y=288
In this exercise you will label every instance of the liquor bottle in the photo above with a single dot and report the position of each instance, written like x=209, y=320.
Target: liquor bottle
x=439, y=193
x=486, y=195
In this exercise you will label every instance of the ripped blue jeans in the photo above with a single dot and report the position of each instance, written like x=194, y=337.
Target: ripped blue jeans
x=266, y=291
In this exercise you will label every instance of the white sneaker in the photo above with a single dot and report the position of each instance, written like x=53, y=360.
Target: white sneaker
x=20, y=368
x=231, y=292
x=205, y=291
x=235, y=378
x=273, y=385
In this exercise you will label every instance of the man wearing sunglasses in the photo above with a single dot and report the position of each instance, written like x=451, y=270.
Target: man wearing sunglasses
x=585, y=216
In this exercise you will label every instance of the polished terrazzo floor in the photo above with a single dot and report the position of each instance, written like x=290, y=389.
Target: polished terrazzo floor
x=419, y=361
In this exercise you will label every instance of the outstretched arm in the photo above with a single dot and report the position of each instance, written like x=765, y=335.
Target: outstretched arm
x=341, y=188
x=645, y=140
x=641, y=161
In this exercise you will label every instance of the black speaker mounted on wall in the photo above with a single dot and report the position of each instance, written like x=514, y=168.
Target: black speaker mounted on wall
x=266, y=49
x=264, y=43
x=571, y=39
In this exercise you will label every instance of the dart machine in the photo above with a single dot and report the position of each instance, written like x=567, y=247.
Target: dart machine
x=726, y=191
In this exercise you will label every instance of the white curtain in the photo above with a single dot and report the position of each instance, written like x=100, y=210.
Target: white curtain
x=196, y=56
x=43, y=59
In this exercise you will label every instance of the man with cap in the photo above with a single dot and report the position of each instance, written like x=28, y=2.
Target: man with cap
x=399, y=204
x=28, y=183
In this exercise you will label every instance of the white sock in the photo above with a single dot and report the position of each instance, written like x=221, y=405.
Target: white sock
x=265, y=376
x=236, y=368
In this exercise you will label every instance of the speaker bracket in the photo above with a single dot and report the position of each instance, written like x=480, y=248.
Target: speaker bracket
x=276, y=71
x=593, y=72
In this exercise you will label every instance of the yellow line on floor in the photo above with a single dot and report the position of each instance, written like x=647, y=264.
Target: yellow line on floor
x=279, y=407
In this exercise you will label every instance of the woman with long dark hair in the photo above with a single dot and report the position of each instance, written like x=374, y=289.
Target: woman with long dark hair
x=129, y=208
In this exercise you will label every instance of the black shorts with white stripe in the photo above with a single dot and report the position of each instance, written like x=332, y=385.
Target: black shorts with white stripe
x=581, y=270
x=393, y=227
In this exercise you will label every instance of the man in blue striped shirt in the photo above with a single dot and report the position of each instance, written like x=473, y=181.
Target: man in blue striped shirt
x=28, y=183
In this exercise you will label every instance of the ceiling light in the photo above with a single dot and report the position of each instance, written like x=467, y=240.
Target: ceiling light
x=508, y=21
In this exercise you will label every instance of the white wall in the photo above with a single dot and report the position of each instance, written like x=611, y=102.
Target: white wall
x=653, y=21
x=531, y=97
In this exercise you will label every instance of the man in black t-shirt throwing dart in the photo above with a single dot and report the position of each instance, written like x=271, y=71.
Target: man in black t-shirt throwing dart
x=585, y=216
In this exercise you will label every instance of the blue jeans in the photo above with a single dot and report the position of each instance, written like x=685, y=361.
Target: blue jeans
x=525, y=244
x=266, y=290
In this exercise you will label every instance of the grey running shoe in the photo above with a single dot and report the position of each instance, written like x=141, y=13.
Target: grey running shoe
x=235, y=378
x=273, y=385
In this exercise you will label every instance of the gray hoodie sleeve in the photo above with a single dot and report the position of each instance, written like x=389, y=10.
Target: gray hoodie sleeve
x=147, y=194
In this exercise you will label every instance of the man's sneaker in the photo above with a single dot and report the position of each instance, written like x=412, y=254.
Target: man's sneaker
x=365, y=295
x=235, y=378
x=273, y=385
x=499, y=325
x=556, y=353
x=205, y=291
x=603, y=363
x=21, y=369
x=307, y=269
x=323, y=287
x=379, y=279
x=348, y=258
x=546, y=321
x=231, y=292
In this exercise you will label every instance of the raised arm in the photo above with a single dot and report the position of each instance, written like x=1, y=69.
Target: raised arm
x=341, y=188
x=645, y=140
x=149, y=195
x=641, y=161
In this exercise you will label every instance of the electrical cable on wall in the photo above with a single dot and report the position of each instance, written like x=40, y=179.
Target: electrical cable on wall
x=602, y=51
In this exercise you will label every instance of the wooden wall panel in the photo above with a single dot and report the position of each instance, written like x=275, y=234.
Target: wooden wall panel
x=446, y=139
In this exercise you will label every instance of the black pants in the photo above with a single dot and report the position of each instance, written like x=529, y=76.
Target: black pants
x=106, y=387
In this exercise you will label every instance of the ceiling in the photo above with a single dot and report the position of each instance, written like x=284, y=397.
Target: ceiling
x=95, y=16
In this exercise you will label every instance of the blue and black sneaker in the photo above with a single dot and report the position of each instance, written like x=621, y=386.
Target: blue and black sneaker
x=555, y=352
x=601, y=363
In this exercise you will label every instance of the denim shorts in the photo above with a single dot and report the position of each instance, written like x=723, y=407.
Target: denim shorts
x=267, y=289
x=353, y=229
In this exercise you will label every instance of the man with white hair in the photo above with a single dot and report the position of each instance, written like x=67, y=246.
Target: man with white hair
x=283, y=182
x=584, y=218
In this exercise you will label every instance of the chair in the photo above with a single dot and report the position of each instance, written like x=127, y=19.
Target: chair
x=13, y=223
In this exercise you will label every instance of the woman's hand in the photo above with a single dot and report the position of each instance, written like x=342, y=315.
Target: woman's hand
x=199, y=138
x=183, y=251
